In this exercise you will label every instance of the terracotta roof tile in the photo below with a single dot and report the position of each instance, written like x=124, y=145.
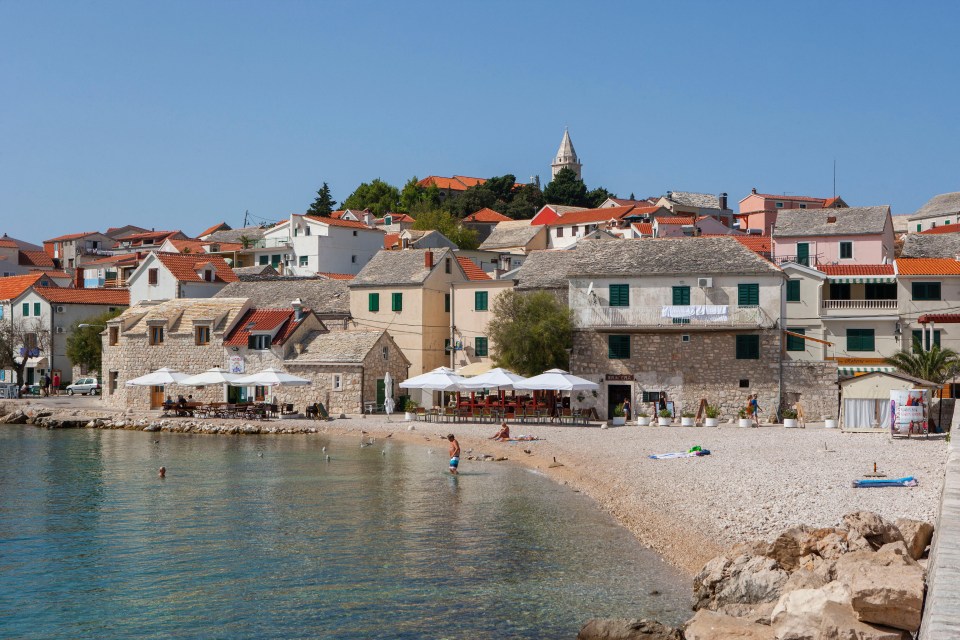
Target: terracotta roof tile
x=36, y=259
x=390, y=240
x=71, y=236
x=857, y=269
x=257, y=320
x=646, y=228
x=939, y=318
x=149, y=235
x=947, y=228
x=188, y=246
x=681, y=220
x=928, y=267
x=395, y=218
x=118, y=297
x=472, y=270
x=757, y=244
x=217, y=227
x=13, y=286
x=336, y=222
x=7, y=243
x=486, y=215
x=773, y=196
x=184, y=266
x=591, y=215
x=336, y=276
x=121, y=257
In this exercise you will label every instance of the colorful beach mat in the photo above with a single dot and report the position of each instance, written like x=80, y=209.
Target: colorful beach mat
x=908, y=481
x=681, y=454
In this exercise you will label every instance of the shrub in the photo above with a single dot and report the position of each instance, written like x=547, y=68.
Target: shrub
x=618, y=411
x=789, y=414
x=688, y=414
x=664, y=413
x=712, y=411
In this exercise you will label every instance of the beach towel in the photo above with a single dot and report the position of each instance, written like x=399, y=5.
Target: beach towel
x=681, y=454
x=907, y=481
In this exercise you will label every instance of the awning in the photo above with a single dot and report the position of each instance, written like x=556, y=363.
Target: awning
x=852, y=371
x=35, y=363
x=475, y=369
x=862, y=279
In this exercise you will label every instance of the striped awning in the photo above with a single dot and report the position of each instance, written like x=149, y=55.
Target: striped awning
x=862, y=279
x=853, y=371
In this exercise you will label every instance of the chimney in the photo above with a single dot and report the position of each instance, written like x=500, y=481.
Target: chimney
x=723, y=201
x=297, y=305
x=428, y=259
x=753, y=191
x=831, y=219
x=78, y=278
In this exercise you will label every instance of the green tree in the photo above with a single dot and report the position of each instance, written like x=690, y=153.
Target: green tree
x=502, y=187
x=414, y=196
x=532, y=332
x=566, y=188
x=596, y=197
x=936, y=364
x=84, y=344
x=473, y=199
x=525, y=204
x=378, y=196
x=323, y=204
x=444, y=222
x=15, y=335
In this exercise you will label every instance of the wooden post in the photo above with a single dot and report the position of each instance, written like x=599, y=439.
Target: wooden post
x=701, y=411
x=801, y=420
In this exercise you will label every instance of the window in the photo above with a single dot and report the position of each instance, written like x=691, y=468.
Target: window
x=112, y=382
x=260, y=342
x=880, y=291
x=794, y=343
x=446, y=265
x=618, y=347
x=353, y=259
x=396, y=302
x=354, y=233
x=202, y=335
x=25, y=310
x=919, y=228
x=337, y=383
x=303, y=261
x=860, y=340
x=446, y=345
x=846, y=250
x=803, y=253
x=744, y=383
x=480, y=300
x=114, y=335
x=573, y=230
x=839, y=290
x=264, y=260
x=748, y=347
x=480, y=347
x=619, y=295
x=793, y=291
x=30, y=341
x=681, y=296
x=156, y=335
x=373, y=302
x=36, y=307
x=559, y=232
x=778, y=205
x=650, y=396
x=921, y=338
x=802, y=206
x=748, y=295
x=385, y=352
x=208, y=275
x=307, y=231
x=296, y=231
x=388, y=220
x=446, y=303
x=924, y=291
x=153, y=276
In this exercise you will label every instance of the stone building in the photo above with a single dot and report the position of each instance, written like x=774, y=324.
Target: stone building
x=328, y=299
x=566, y=157
x=546, y=271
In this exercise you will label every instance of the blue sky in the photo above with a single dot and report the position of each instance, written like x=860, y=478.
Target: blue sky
x=181, y=114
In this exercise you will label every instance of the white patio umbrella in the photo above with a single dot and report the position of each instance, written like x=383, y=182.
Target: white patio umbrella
x=159, y=378
x=271, y=377
x=210, y=377
x=556, y=380
x=388, y=404
x=440, y=379
x=494, y=379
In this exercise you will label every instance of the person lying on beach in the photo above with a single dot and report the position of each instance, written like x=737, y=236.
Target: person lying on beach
x=503, y=434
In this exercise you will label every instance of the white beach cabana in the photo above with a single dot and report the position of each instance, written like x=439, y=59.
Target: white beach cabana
x=159, y=378
x=556, y=380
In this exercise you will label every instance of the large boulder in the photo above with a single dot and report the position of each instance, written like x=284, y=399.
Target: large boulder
x=709, y=625
x=790, y=546
x=917, y=535
x=622, y=629
x=875, y=529
x=744, y=580
x=839, y=622
x=798, y=613
x=804, y=579
x=886, y=587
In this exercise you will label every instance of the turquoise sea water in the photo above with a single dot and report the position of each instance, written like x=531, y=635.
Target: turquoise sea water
x=260, y=537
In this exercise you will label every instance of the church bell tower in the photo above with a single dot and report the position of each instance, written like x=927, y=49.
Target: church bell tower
x=566, y=157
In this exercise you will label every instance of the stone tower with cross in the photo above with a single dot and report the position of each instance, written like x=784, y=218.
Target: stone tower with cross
x=566, y=157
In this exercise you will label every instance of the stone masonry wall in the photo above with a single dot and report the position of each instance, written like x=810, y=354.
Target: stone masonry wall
x=814, y=385
x=703, y=367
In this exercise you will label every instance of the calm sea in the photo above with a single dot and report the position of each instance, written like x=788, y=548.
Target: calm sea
x=261, y=537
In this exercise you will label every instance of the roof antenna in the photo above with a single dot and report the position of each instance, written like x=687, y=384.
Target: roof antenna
x=834, y=176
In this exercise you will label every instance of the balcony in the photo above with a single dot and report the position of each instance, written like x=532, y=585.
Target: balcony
x=850, y=308
x=682, y=318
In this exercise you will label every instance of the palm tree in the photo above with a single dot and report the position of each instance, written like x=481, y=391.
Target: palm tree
x=936, y=365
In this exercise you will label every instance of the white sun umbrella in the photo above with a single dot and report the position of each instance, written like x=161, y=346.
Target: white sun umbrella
x=210, y=377
x=440, y=379
x=494, y=379
x=556, y=380
x=271, y=377
x=388, y=404
x=159, y=378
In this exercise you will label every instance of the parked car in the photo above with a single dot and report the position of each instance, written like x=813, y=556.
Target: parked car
x=84, y=386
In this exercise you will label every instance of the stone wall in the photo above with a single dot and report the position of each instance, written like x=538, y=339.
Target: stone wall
x=814, y=385
x=705, y=366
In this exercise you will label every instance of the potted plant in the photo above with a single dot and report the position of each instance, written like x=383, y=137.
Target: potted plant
x=687, y=419
x=713, y=416
x=790, y=418
x=619, y=416
x=744, y=421
x=580, y=397
x=664, y=418
x=643, y=420
x=829, y=422
x=409, y=409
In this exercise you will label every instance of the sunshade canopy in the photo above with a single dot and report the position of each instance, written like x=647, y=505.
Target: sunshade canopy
x=556, y=380
x=440, y=379
x=158, y=378
x=494, y=379
x=271, y=377
x=209, y=377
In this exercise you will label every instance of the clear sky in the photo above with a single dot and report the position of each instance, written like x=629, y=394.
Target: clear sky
x=181, y=114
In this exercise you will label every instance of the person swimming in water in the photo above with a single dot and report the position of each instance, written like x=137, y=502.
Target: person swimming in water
x=163, y=472
x=454, y=453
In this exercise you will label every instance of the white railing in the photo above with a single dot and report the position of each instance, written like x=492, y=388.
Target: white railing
x=859, y=304
x=598, y=317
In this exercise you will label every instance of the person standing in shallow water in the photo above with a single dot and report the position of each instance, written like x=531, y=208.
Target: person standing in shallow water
x=454, y=454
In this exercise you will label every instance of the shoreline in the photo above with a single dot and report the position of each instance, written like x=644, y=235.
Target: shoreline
x=688, y=511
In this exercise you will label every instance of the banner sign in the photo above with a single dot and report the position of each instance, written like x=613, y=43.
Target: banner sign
x=908, y=412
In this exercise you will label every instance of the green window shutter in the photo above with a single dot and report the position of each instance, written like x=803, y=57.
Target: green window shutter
x=748, y=347
x=748, y=295
x=264, y=260
x=794, y=343
x=480, y=347
x=26, y=309
x=793, y=291
x=373, y=302
x=619, y=295
x=803, y=254
x=446, y=302
x=681, y=296
x=618, y=347
x=446, y=345
x=480, y=300
x=396, y=302
x=860, y=340
x=36, y=308
x=916, y=344
x=846, y=250
x=919, y=228
x=926, y=290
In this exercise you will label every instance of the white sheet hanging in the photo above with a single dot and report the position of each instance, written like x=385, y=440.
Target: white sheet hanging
x=863, y=413
x=708, y=312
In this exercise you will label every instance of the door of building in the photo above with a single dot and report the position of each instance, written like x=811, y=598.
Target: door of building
x=381, y=392
x=156, y=397
x=616, y=393
x=803, y=254
x=30, y=376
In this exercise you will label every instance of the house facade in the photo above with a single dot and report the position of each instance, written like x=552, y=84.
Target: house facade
x=472, y=303
x=29, y=323
x=166, y=276
x=940, y=210
x=518, y=237
x=928, y=290
x=857, y=235
x=74, y=249
x=307, y=245
x=759, y=211
x=689, y=203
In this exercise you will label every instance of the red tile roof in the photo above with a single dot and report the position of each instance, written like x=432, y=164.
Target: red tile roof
x=857, y=269
x=757, y=244
x=13, y=286
x=188, y=246
x=117, y=297
x=122, y=257
x=470, y=182
x=928, y=267
x=71, y=236
x=36, y=259
x=830, y=202
x=680, y=220
x=473, y=272
x=942, y=318
x=184, y=267
x=644, y=210
x=336, y=276
x=486, y=215
x=390, y=240
x=591, y=215
x=149, y=235
x=646, y=228
x=395, y=218
x=259, y=320
x=216, y=227
x=773, y=196
x=7, y=243
x=336, y=222
x=947, y=228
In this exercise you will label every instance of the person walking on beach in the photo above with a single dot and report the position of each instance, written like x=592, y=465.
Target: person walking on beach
x=755, y=408
x=56, y=384
x=45, y=385
x=454, y=453
x=626, y=409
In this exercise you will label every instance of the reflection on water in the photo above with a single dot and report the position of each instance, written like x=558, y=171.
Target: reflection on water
x=260, y=537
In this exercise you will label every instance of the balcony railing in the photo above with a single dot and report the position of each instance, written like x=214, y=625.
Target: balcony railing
x=671, y=317
x=859, y=305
